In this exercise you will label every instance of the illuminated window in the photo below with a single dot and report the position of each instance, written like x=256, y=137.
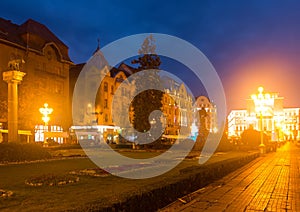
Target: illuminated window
x=39, y=133
x=40, y=129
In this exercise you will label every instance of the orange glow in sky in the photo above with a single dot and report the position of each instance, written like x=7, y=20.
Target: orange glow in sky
x=274, y=74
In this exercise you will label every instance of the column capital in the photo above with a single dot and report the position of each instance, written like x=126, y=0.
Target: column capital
x=13, y=76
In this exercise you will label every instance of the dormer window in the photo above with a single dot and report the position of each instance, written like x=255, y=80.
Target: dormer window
x=120, y=79
x=49, y=55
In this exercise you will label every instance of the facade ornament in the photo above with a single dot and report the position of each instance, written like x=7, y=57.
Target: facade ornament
x=14, y=65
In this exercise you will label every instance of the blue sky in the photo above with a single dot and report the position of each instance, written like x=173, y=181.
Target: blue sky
x=250, y=43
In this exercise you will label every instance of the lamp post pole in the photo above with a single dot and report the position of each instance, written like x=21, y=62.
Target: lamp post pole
x=259, y=101
x=262, y=145
x=45, y=111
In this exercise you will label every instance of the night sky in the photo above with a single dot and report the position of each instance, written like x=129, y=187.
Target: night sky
x=250, y=43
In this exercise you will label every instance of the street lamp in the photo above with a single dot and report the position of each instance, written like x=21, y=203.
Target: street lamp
x=260, y=108
x=152, y=122
x=45, y=111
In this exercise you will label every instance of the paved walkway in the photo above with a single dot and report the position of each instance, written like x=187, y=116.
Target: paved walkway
x=269, y=183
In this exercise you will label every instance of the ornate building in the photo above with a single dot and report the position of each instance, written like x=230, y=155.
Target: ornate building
x=265, y=112
x=99, y=117
x=47, y=65
x=178, y=108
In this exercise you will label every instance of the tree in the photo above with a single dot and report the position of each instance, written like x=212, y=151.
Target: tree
x=149, y=100
x=148, y=59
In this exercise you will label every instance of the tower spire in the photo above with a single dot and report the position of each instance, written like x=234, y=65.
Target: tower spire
x=98, y=46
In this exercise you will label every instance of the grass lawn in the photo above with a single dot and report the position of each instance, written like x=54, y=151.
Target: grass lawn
x=89, y=190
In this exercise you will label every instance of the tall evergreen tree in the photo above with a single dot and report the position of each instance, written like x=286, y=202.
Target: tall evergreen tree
x=147, y=101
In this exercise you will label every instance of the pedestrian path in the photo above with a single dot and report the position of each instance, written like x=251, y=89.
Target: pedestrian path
x=269, y=183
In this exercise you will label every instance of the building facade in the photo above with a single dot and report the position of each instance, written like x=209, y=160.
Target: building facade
x=177, y=107
x=182, y=111
x=265, y=112
x=96, y=121
x=51, y=78
x=46, y=66
x=211, y=121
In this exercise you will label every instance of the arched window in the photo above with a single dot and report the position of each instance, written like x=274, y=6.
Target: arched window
x=105, y=103
x=105, y=87
x=112, y=89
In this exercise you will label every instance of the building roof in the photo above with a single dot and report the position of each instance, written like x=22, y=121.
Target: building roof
x=126, y=69
x=31, y=35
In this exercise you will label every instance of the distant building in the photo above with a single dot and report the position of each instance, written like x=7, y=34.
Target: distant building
x=178, y=109
x=265, y=112
x=47, y=65
x=237, y=123
x=182, y=111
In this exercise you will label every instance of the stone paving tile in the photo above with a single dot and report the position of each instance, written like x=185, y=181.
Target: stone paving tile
x=269, y=183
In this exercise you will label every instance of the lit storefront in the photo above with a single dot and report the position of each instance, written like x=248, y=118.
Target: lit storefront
x=96, y=133
x=40, y=130
x=48, y=133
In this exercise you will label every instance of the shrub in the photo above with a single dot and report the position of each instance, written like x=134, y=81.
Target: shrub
x=16, y=152
x=4, y=193
x=51, y=180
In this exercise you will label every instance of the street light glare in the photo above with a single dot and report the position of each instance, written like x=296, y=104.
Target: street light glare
x=260, y=89
x=253, y=96
x=45, y=111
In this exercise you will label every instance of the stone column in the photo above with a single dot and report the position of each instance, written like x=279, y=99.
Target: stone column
x=13, y=78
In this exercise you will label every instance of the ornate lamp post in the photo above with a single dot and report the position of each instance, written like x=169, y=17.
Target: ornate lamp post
x=45, y=111
x=260, y=108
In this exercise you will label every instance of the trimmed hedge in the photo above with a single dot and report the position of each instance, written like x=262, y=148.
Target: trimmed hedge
x=18, y=152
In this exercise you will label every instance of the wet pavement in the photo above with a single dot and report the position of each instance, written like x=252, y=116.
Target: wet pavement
x=269, y=183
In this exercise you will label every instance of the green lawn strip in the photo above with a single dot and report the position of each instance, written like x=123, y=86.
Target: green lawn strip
x=90, y=192
x=187, y=177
